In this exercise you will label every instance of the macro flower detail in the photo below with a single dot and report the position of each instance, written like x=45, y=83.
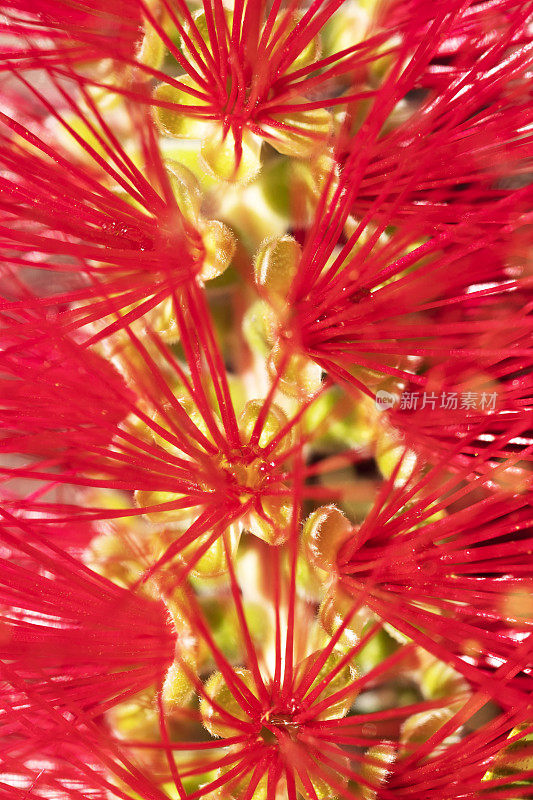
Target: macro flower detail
x=266, y=400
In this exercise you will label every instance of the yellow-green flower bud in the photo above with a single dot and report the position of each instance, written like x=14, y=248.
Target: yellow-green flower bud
x=345, y=678
x=275, y=529
x=515, y=758
x=309, y=133
x=175, y=122
x=259, y=326
x=219, y=244
x=151, y=52
x=420, y=727
x=275, y=421
x=186, y=189
x=137, y=718
x=324, y=532
x=300, y=377
x=376, y=767
x=177, y=687
x=217, y=689
x=276, y=264
x=221, y=154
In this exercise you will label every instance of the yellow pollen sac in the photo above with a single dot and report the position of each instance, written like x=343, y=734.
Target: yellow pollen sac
x=345, y=678
x=178, y=688
x=420, y=727
x=220, y=152
x=219, y=244
x=275, y=421
x=219, y=692
x=376, y=767
x=300, y=376
x=324, y=532
x=307, y=132
x=276, y=264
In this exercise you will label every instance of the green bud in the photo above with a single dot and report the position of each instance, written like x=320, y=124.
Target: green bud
x=276, y=264
x=217, y=689
x=324, y=532
x=346, y=677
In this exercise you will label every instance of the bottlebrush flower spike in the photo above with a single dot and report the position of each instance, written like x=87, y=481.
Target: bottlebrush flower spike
x=52, y=373
x=123, y=241
x=477, y=28
x=238, y=75
x=95, y=621
x=60, y=32
x=468, y=146
x=421, y=559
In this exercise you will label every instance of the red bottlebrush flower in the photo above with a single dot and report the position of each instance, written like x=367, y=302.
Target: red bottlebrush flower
x=51, y=374
x=479, y=27
x=95, y=623
x=62, y=31
x=372, y=310
x=256, y=71
x=491, y=409
x=437, y=548
x=86, y=212
x=455, y=153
